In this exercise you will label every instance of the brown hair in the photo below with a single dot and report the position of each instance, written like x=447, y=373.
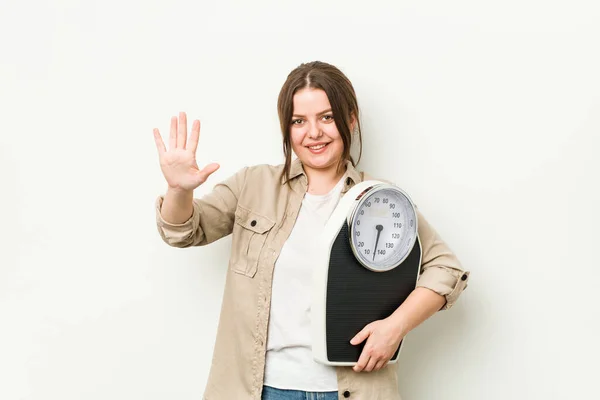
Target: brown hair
x=341, y=95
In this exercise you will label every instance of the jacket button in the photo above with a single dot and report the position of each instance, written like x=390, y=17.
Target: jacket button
x=464, y=277
x=346, y=394
x=253, y=223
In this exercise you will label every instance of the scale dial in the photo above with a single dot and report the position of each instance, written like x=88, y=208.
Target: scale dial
x=383, y=228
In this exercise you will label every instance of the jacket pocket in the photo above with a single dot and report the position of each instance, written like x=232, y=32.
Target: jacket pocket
x=250, y=233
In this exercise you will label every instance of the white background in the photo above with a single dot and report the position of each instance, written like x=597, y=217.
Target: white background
x=487, y=113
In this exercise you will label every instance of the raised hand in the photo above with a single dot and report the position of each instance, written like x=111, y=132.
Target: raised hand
x=178, y=163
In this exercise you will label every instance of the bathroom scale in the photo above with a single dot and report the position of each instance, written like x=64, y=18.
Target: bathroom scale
x=368, y=262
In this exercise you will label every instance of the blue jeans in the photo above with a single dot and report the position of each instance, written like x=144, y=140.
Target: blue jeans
x=270, y=393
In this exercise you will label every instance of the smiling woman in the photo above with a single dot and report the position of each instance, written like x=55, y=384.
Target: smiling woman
x=275, y=215
x=319, y=131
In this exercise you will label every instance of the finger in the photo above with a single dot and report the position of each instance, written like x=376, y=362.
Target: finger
x=208, y=170
x=380, y=364
x=192, y=144
x=361, y=336
x=173, y=134
x=362, y=362
x=371, y=364
x=160, y=145
x=182, y=130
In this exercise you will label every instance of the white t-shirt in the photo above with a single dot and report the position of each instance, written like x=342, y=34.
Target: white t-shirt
x=289, y=360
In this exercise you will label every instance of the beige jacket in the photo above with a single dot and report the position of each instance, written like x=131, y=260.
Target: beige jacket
x=260, y=210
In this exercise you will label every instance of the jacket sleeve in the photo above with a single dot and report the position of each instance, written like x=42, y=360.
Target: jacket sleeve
x=441, y=270
x=212, y=217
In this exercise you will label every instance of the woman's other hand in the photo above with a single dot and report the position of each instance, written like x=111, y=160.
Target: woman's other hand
x=178, y=162
x=383, y=338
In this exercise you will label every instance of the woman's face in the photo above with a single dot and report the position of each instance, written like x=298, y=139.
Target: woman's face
x=314, y=135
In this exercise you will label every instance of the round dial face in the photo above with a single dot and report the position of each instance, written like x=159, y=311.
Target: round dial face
x=383, y=228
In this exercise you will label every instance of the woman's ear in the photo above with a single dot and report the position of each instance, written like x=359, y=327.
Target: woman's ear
x=352, y=124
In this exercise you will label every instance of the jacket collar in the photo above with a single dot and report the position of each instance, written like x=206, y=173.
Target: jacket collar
x=351, y=177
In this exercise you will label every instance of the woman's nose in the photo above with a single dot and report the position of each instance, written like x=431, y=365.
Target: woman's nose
x=314, y=132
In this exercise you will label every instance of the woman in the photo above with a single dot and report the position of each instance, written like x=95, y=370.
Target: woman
x=263, y=344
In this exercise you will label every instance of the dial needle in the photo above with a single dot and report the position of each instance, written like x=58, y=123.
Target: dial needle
x=379, y=229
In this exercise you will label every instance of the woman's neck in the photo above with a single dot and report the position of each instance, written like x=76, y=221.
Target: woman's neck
x=321, y=181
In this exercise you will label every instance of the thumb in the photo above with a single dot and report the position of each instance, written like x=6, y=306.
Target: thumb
x=208, y=170
x=361, y=336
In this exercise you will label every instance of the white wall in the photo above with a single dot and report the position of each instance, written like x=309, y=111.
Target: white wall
x=487, y=113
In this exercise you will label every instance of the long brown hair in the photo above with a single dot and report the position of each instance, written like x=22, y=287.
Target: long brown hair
x=341, y=95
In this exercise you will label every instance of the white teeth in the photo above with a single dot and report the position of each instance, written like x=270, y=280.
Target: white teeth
x=317, y=147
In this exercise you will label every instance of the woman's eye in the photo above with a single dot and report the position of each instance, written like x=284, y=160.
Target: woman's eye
x=327, y=117
x=296, y=121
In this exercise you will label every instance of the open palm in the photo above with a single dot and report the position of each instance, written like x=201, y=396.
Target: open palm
x=178, y=162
